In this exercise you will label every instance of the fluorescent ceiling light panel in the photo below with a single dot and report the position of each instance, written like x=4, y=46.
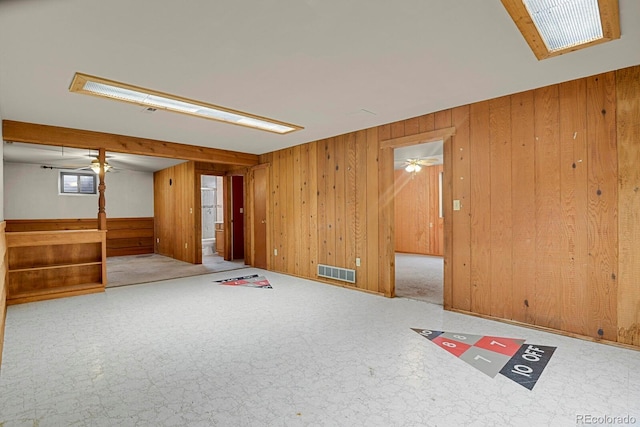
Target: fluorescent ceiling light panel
x=554, y=27
x=563, y=24
x=90, y=85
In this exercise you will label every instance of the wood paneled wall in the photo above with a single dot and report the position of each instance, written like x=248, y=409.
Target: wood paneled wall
x=324, y=209
x=628, y=129
x=419, y=229
x=125, y=236
x=174, y=199
x=548, y=185
x=3, y=285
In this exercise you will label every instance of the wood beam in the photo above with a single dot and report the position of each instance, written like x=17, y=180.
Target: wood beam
x=77, y=138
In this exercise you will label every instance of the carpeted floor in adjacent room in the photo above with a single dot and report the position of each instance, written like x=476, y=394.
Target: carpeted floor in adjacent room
x=420, y=277
x=133, y=269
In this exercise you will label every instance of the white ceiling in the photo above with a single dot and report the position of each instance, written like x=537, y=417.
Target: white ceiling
x=318, y=64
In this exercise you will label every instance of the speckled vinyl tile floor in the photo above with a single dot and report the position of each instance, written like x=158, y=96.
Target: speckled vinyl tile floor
x=190, y=352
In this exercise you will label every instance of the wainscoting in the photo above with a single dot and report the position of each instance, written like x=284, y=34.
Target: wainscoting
x=125, y=236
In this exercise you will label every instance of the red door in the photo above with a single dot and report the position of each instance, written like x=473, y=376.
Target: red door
x=237, y=216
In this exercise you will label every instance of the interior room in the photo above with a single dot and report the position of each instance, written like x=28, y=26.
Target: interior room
x=304, y=118
x=419, y=221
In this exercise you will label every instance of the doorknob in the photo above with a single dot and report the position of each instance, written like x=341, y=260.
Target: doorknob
x=264, y=221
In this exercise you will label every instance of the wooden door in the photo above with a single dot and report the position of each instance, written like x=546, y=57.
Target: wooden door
x=259, y=217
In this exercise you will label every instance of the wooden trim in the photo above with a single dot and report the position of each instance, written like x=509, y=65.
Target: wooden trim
x=419, y=138
x=546, y=329
x=62, y=292
x=77, y=138
x=609, y=16
x=63, y=237
x=3, y=285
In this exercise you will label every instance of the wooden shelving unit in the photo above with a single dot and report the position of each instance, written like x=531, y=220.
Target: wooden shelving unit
x=55, y=264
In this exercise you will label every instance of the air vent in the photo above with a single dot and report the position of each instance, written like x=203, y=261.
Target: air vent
x=337, y=273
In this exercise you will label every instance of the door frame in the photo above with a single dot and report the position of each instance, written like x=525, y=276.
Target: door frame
x=387, y=147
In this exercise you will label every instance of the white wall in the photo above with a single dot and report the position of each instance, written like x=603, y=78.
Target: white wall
x=32, y=193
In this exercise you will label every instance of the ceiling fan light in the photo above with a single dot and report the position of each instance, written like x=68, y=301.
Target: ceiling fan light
x=417, y=168
x=95, y=166
x=410, y=167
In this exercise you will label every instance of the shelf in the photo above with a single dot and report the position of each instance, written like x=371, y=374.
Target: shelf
x=52, y=267
x=53, y=293
x=55, y=264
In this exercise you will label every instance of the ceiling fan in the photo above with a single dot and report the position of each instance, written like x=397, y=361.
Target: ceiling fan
x=94, y=164
x=415, y=165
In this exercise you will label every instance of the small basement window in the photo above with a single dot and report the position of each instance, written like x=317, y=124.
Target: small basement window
x=77, y=183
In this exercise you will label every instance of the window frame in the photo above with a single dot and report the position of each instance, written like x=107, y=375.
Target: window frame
x=77, y=174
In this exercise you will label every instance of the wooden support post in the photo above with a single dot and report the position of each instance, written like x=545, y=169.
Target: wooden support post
x=102, y=214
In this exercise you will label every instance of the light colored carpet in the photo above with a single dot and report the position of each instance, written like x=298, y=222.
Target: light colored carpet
x=134, y=269
x=420, y=277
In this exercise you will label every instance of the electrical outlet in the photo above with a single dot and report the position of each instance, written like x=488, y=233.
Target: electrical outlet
x=185, y=245
x=357, y=262
x=158, y=240
x=275, y=252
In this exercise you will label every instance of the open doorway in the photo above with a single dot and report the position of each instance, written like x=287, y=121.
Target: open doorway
x=419, y=221
x=211, y=199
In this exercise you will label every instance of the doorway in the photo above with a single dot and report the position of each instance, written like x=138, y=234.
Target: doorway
x=387, y=151
x=212, y=204
x=419, y=222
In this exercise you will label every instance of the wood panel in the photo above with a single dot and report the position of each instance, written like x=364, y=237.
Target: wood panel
x=129, y=236
x=602, y=199
x=573, y=176
x=296, y=208
x=175, y=212
x=501, y=277
x=628, y=131
x=354, y=207
x=125, y=236
x=548, y=252
x=461, y=220
x=293, y=226
x=523, y=205
x=480, y=172
x=3, y=286
x=313, y=209
x=418, y=225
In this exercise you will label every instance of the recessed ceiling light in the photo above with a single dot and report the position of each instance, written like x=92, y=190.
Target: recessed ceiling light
x=151, y=99
x=554, y=27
